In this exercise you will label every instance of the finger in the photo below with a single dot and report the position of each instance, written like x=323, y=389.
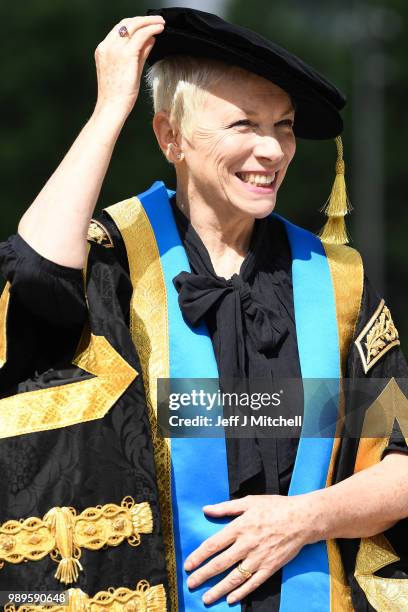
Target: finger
x=141, y=36
x=228, y=508
x=133, y=24
x=147, y=48
x=229, y=584
x=248, y=586
x=140, y=28
x=218, y=565
x=211, y=546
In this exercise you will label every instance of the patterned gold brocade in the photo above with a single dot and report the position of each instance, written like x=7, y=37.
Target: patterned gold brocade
x=72, y=403
x=384, y=594
x=144, y=598
x=62, y=534
x=4, y=302
x=347, y=274
x=379, y=419
x=149, y=329
x=377, y=338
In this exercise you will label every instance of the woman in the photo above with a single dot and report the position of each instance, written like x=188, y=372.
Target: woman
x=192, y=284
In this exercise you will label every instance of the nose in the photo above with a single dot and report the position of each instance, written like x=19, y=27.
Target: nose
x=269, y=147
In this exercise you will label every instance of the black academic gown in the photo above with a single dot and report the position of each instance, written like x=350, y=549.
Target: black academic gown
x=250, y=317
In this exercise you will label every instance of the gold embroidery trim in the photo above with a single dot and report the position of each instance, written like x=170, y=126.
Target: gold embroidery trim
x=149, y=329
x=377, y=337
x=98, y=233
x=347, y=275
x=4, y=302
x=144, y=598
x=384, y=594
x=72, y=403
x=61, y=534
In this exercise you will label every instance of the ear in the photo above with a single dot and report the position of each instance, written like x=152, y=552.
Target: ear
x=166, y=136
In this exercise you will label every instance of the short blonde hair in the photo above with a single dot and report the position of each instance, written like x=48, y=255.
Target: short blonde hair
x=178, y=84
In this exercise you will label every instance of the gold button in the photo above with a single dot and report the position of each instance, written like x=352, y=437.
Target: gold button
x=90, y=530
x=119, y=524
x=7, y=543
x=35, y=539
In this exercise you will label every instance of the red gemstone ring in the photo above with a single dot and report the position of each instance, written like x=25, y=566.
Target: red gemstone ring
x=123, y=32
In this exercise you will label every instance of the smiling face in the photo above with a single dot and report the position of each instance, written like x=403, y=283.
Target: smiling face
x=240, y=147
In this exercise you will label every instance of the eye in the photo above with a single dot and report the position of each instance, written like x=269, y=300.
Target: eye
x=244, y=122
x=286, y=123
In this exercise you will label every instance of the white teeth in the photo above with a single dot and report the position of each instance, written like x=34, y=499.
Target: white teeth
x=257, y=179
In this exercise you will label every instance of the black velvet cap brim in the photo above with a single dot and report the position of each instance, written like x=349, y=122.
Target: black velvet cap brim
x=196, y=33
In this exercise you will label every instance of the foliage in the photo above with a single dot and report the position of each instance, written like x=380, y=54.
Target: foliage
x=48, y=90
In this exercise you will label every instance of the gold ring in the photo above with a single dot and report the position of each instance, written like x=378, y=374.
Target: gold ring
x=244, y=571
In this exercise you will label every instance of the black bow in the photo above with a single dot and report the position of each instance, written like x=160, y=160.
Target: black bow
x=241, y=311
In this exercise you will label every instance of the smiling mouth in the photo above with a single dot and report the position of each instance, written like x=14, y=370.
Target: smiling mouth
x=265, y=181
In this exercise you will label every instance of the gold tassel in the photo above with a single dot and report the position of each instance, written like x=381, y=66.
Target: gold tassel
x=142, y=518
x=61, y=523
x=338, y=204
x=78, y=601
x=153, y=598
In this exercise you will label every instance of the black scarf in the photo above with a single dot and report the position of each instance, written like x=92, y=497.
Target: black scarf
x=248, y=328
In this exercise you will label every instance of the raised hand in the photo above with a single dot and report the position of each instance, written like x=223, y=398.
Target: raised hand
x=120, y=59
x=56, y=223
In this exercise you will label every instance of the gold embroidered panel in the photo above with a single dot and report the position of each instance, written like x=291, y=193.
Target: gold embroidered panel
x=347, y=272
x=384, y=594
x=4, y=302
x=149, y=329
x=347, y=275
x=61, y=533
x=98, y=233
x=377, y=337
x=72, y=403
x=144, y=598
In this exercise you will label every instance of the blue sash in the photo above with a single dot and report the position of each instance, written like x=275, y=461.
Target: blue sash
x=306, y=578
x=199, y=466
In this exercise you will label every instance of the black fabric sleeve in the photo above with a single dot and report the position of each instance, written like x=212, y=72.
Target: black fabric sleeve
x=392, y=363
x=45, y=315
x=389, y=365
x=49, y=291
x=48, y=309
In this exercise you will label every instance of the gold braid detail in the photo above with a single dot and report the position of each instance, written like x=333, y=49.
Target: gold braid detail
x=347, y=273
x=150, y=334
x=62, y=534
x=60, y=521
x=384, y=594
x=144, y=598
x=75, y=402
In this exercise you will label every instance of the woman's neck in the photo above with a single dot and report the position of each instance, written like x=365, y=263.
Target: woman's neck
x=226, y=237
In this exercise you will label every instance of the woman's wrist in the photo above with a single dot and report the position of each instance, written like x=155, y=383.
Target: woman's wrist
x=107, y=121
x=318, y=516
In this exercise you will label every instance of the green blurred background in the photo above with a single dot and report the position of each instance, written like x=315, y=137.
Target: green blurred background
x=48, y=88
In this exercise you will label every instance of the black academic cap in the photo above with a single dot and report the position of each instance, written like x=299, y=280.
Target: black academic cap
x=192, y=32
